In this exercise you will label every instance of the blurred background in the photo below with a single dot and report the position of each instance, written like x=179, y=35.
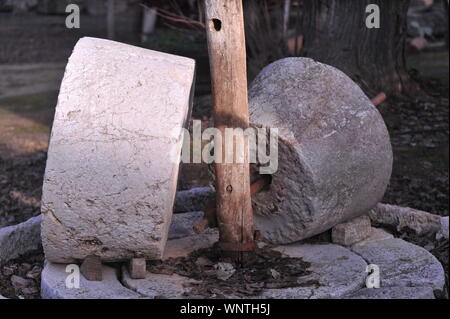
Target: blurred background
x=407, y=60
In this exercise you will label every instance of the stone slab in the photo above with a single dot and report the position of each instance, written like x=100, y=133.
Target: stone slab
x=182, y=224
x=20, y=239
x=182, y=238
x=403, y=264
x=393, y=293
x=184, y=246
x=351, y=232
x=334, y=153
x=338, y=270
x=376, y=234
x=193, y=199
x=422, y=223
x=53, y=285
x=113, y=159
x=158, y=286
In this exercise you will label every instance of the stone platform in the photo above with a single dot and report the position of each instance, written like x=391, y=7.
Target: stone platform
x=406, y=271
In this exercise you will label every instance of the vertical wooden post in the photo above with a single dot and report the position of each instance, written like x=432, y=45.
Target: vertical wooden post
x=227, y=54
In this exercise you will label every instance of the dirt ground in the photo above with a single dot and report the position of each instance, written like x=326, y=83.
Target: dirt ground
x=31, y=67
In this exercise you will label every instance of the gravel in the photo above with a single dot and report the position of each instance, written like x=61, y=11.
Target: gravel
x=21, y=278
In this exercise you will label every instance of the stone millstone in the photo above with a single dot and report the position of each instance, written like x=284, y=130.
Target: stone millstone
x=55, y=279
x=335, y=272
x=335, y=156
x=394, y=293
x=403, y=264
x=112, y=165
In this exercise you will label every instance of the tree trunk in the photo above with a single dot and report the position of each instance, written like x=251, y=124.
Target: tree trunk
x=286, y=18
x=110, y=16
x=335, y=33
x=446, y=10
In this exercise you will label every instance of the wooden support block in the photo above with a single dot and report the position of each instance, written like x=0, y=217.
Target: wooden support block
x=137, y=268
x=91, y=268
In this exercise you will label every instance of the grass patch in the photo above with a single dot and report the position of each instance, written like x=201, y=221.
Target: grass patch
x=29, y=103
x=4, y=112
x=32, y=129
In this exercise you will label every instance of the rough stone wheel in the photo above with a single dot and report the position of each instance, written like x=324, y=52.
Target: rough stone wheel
x=112, y=166
x=335, y=156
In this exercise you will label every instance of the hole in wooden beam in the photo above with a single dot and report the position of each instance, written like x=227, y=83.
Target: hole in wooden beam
x=215, y=25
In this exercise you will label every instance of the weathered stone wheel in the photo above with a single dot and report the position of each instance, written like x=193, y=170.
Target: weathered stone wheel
x=335, y=156
x=114, y=152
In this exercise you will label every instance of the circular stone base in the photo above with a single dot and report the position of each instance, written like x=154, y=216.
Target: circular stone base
x=340, y=272
x=407, y=272
x=53, y=285
x=337, y=270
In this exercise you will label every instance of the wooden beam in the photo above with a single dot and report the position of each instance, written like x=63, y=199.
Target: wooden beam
x=227, y=54
x=209, y=219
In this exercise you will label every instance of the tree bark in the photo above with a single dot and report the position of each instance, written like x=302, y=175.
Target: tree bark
x=110, y=24
x=286, y=18
x=446, y=3
x=335, y=33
